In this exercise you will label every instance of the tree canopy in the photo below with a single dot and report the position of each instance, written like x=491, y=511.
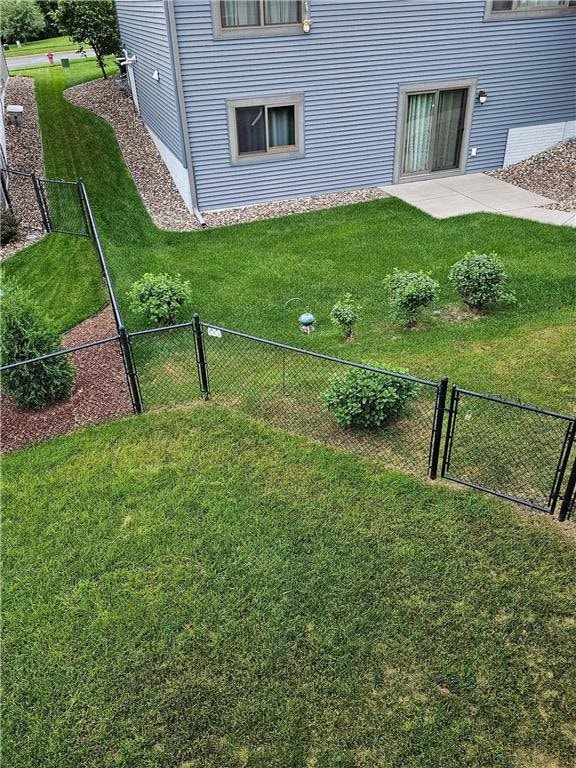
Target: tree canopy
x=20, y=20
x=93, y=22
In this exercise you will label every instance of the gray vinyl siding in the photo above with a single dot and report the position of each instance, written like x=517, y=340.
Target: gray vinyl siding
x=144, y=32
x=349, y=70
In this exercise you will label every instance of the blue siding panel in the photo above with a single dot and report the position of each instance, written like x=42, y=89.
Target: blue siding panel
x=350, y=68
x=144, y=32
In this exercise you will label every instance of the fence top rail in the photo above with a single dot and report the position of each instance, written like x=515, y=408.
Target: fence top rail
x=287, y=347
x=100, y=251
x=174, y=327
x=58, y=181
x=523, y=406
x=58, y=353
x=12, y=172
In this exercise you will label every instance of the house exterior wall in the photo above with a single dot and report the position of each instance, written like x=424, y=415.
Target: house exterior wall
x=350, y=69
x=144, y=31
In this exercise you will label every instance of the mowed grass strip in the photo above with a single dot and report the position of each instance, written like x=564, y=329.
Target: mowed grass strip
x=242, y=275
x=193, y=589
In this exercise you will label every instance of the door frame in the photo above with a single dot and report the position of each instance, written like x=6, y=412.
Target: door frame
x=406, y=90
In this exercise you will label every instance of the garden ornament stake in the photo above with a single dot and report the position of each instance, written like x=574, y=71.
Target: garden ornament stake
x=306, y=321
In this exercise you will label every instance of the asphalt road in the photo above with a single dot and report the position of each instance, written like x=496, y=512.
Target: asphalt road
x=40, y=58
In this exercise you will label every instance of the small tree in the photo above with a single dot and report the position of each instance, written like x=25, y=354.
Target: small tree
x=409, y=293
x=479, y=278
x=346, y=313
x=159, y=298
x=368, y=399
x=93, y=22
x=20, y=20
x=25, y=333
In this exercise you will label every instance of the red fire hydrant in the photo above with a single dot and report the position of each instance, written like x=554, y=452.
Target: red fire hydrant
x=50, y=57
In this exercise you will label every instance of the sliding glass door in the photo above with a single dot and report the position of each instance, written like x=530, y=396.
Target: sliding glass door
x=434, y=130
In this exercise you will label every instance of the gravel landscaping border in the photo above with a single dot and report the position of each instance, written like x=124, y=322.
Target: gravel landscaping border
x=551, y=173
x=24, y=153
x=100, y=390
x=154, y=183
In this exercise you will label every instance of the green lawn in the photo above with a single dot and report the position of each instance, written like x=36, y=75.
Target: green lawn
x=54, y=44
x=167, y=605
x=242, y=275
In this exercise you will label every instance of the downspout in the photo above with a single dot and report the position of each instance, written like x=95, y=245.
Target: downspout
x=177, y=73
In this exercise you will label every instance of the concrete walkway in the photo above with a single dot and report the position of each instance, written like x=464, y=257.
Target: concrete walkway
x=475, y=193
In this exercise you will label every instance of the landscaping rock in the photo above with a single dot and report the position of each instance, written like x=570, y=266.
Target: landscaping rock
x=24, y=153
x=154, y=183
x=551, y=173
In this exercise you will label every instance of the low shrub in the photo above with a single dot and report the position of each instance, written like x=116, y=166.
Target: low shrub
x=367, y=399
x=409, y=293
x=346, y=313
x=9, y=227
x=480, y=278
x=26, y=333
x=159, y=298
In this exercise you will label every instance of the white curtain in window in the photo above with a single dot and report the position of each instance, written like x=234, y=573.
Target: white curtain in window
x=282, y=11
x=240, y=13
x=418, y=129
x=281, y=131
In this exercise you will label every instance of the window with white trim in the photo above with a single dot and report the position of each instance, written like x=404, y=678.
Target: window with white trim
x=253, y=18
x=514, y=9
x=266, y=128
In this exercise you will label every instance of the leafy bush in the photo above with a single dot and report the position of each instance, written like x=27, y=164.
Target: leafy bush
x=9, y=227
x=345, y=313
x=479, y=278
x=25, y=333
x=159, y=298
x=409, y=293
x=367, y=399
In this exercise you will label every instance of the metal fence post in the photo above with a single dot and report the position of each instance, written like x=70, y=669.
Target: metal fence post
x=437, y=428
x=201, y=358
x=41, y=203
x=568, y=494
x=452, y=410
x=130, y=370
x=5, y=192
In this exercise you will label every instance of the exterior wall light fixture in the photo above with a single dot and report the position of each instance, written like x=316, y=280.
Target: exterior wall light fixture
x=482, y=97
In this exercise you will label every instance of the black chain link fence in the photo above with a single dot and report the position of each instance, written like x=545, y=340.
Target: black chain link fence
x=515, y=451
x=281, y=385
x=44, y=205
x=63, y=206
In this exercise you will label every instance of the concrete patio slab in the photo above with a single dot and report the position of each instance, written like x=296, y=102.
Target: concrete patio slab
x=545, y=216
x=475, y=193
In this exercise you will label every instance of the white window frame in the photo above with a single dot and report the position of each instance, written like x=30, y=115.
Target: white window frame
x=221, y=32
x=519, y=12
x=295, y=100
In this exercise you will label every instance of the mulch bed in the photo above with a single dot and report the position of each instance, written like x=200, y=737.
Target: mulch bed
x=100, y=390
x=24, y=152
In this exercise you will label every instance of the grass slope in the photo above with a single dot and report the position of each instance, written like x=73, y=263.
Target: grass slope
x=53, y=44
x=242, y=275
x=165, y=605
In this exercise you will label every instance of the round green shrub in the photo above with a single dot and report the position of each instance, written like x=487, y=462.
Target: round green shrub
x=409, y=293
x=159, y=298
x=25, y=333
x=346, y=313
x=479, y=278
x=367, y=399
x=9, y=227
